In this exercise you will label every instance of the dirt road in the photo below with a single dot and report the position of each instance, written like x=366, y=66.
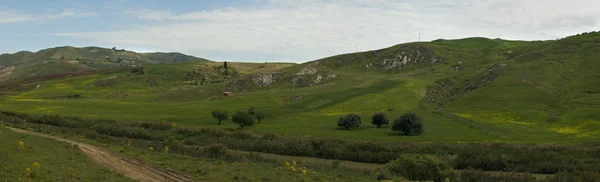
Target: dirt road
x=130, y=167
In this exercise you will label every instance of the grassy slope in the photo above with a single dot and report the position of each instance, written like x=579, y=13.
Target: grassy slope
x=546, y=95
x=58, y=161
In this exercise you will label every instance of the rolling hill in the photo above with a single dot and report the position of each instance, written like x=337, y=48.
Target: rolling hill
x=473, y=89
x=64, y=60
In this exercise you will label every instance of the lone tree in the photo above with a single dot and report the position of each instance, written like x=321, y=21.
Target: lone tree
x=225, y=64
x=409, y=123
x=251, y=110
x=349, y=121
x=220, y=115
x=259, y=116
x=380, y=119
x=243, y=119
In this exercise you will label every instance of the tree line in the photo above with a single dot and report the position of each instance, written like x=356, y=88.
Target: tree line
x=409, y=124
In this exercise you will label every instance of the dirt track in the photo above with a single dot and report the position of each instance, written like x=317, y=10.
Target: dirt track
x=130, y=167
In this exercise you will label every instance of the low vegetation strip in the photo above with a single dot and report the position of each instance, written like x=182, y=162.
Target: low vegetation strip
x=528, y=158
x=132, y=168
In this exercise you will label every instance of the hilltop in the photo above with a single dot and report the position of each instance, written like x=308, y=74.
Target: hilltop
x=473, y=89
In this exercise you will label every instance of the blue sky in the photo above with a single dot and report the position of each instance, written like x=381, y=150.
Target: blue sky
x=281, y=30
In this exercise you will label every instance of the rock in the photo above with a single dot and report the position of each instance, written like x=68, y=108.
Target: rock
x=265, y=79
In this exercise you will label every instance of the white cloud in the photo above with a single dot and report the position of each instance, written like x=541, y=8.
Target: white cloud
x=307, y=30
x=11, y=16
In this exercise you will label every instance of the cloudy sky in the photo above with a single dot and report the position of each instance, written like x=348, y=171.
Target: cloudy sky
x=282, y=30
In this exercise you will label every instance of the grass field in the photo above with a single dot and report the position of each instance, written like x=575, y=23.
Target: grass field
x=56, y=161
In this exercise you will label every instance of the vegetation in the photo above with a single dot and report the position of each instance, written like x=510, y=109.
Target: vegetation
x=259, y=116
x=220, y=115
x=379, y=119
x=421, y=167
x=489, y=104
x=30, y=158
x=409, y=124
x=243, y=119
x=349, y=121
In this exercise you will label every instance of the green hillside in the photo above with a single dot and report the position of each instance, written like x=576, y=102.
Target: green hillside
x=51, y=62
x=473, y=89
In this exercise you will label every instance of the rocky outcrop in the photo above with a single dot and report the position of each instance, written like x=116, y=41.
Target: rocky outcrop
x=408, y=57
x=445, y=90
x=256, y=81
x=266, y=79
x=6, y=72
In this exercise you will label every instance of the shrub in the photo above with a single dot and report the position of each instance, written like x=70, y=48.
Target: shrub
x=575, y=176
x=220, y=115
x=420, y=167
x=475, y=176
x=410, y=124
x=243, y=119
x=379, y=119
x=349, y=121
x=217, y=151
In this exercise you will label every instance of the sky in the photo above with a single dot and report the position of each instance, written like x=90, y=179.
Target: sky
x=282, y=30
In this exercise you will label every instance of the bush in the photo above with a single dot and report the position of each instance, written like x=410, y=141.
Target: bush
x=243, y=119
x=421, y=167
x=475, y=176
x=409, y=123
x=379, y=119
x=349, y=121
x=575, y=176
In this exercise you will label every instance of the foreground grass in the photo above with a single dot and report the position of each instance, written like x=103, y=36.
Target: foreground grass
x=209, y=169
x=57, y=161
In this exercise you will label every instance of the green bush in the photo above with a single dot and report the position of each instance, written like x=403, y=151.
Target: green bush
x=349, y=121
x=579, y=176
x=379, y=119
x=421, y=167
x=410, y=124
x=476, y=176
x=243, y=119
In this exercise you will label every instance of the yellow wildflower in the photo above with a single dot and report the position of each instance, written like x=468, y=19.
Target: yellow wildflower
x=166, y=149
x=293, y=163
x=304, y=172
x=151, y=148
x=292, y=168
x=21, y=145
x=36, y=165
x=27, y=170
x=447, y=180
x=286, y=164
x=129, y=143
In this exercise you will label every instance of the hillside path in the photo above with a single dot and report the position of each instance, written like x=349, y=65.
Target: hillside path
x=130, y=167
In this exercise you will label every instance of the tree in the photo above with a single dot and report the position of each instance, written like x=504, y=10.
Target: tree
x=259, y=116
x=410, y=124
x=243, y=119
x=225, y=64
x=251, y=110
x=220, y=115
x=380, y=119
x=349, y=121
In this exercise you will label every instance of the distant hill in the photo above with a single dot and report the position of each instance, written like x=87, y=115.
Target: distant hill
x=60, y=60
